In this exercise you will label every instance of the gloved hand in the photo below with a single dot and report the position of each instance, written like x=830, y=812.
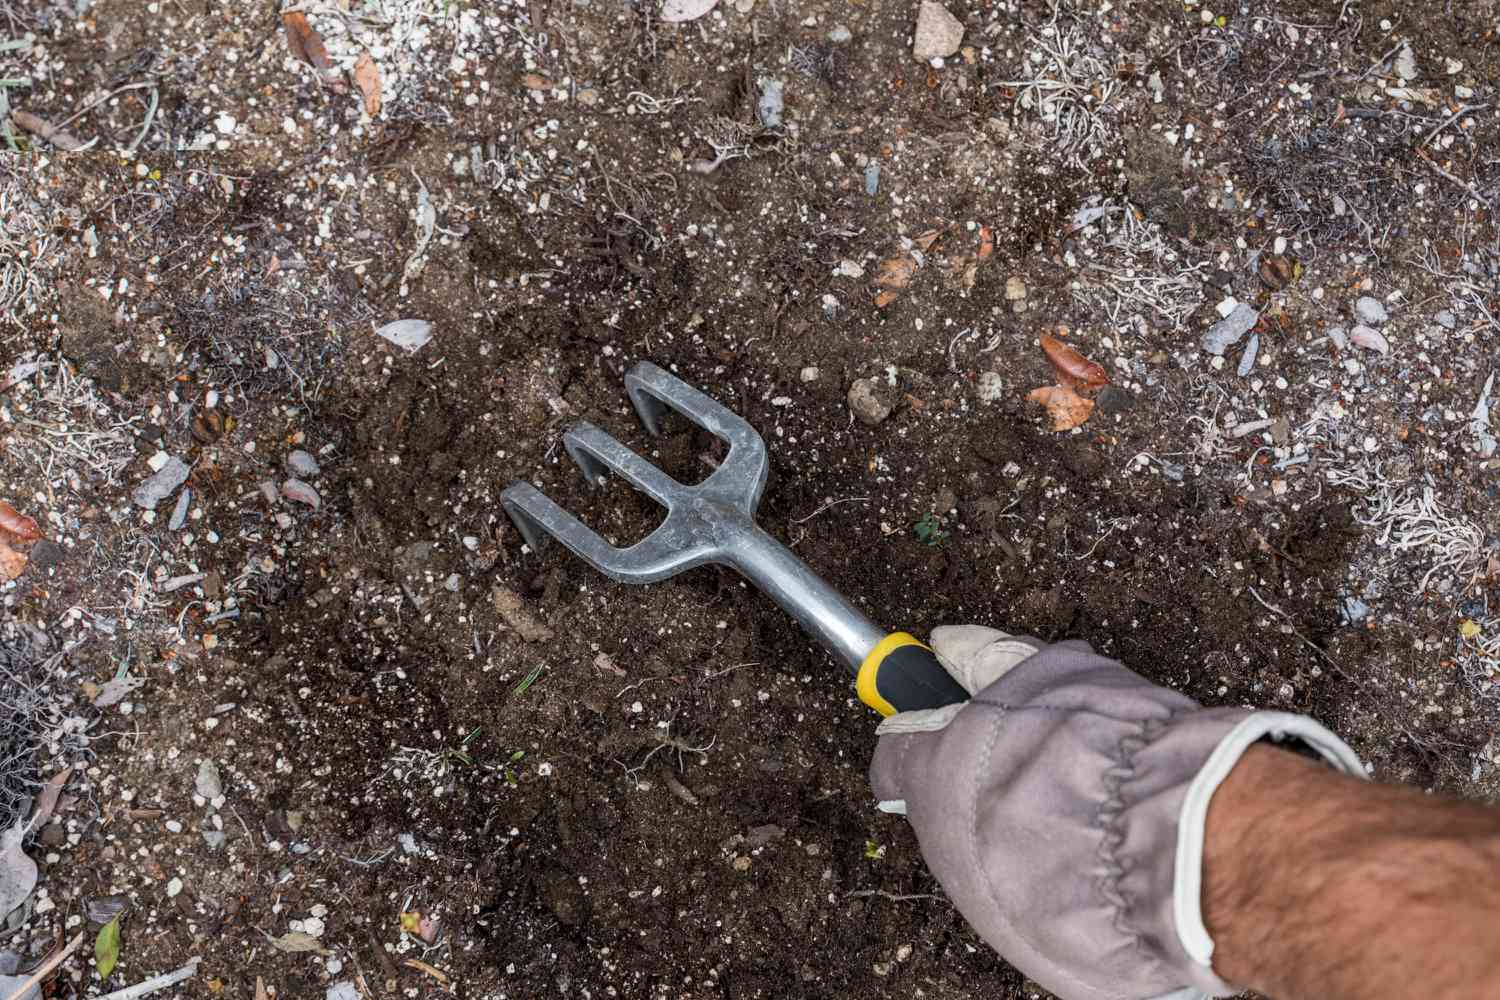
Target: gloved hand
x=1063, y=810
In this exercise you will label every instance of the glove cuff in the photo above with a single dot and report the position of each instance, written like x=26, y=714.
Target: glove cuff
x=1192, y=818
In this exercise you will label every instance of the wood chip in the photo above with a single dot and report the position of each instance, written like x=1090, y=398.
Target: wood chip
x=895, y=273
x=1066, y=408
x=515, y=613
x=435, y=973
x=367, y=79
x=12, y=563
x=44, y=129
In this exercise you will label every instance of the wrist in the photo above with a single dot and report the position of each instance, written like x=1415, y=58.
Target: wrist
x=1318, y=885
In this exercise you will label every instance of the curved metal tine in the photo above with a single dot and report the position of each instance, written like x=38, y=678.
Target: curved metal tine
x=654, y=558
x=597, y=454
x=742, y=475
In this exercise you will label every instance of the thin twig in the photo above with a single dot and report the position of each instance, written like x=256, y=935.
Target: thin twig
x=826, y=506
x=46, y=968
x=155, y=983
x=894, y=897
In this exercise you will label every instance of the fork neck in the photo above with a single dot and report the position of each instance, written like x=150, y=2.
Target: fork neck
x=823, y=612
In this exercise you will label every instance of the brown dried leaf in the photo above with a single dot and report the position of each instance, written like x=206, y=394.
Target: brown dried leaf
x=260, y=989
x=535, y=81
x=1277, y=271
x=15, y=526
x=12, y=563
x=895, y=273
x=1073, y=368
x=927, y=239
x=884, y=299
x=986, y=242
x=307, y=45
x=1066, y=408
x=367, y=79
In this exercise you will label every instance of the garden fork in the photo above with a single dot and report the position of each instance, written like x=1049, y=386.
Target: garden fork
x=714, y=522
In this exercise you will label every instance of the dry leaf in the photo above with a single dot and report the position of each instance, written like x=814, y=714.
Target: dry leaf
x=260, y=989
x=12, y=563
x=927, y=239
x=895, y=273
x=1073, y=368
x=606, y=663
x=884, y=299
x=15, y=526
x=367, y=79
x=1066, y=408
x=986, y=242
x=46, y=799
x=307, y=45
x=295, y=941
x=535, y=81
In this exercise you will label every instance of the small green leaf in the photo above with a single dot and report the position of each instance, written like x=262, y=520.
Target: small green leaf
x=874, y=851
x=107, y=948
x=529, y=680
x=517, y=756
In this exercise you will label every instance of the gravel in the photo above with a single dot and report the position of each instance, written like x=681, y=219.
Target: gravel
x=1247, y=360
x=939, y=33
x=162, y=484
x=867, y=401
x=1370, y=310
x=1227, y=332
x=301, y=463
x=208, y=783
x=303, y=493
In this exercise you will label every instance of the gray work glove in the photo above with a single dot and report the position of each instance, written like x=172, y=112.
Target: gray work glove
x=1063, y=810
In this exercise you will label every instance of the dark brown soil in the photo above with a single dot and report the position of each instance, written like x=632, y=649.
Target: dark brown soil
x=668, y=797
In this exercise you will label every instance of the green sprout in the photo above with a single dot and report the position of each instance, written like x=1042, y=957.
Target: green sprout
x=929, y=530
x=463, y=753
x=509, y=773
x=527, y=681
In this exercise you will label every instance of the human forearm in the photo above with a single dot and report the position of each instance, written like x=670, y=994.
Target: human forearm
x=1320, y=885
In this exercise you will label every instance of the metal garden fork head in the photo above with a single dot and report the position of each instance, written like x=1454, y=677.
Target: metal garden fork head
x=712, y=522
x=701, y=520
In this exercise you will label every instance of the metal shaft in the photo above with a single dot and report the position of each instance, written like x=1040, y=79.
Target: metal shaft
x=822, y=611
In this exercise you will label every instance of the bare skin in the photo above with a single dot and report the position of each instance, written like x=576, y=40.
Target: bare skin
x=1318, y=885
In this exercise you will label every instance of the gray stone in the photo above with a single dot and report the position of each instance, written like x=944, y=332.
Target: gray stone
x=1339, y=337
x=872, y=178
x=1446, y=320
x=180, y=512
x=296, y=489
x=1227, y=332
x=301, y=463
x=771, y=104
x=207, y=783
x=1247, y=360
x=938, y=34
x=840, y=34
x=1370, y=310
x=991, y=387
x=868, y=402
x=162, y=484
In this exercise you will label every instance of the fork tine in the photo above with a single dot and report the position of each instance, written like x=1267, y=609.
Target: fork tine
x=659, y=555
x=596, y=454
x=741, y=477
